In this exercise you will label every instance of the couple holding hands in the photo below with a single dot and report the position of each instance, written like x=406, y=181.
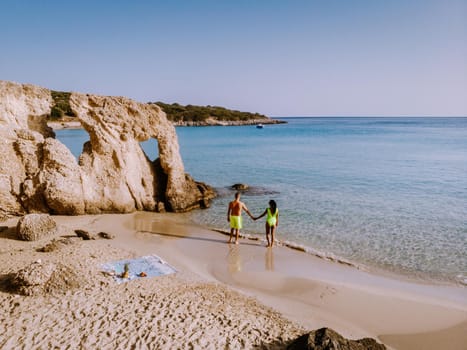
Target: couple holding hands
x=234, y=216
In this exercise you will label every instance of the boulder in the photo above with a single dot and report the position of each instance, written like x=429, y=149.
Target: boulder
x=40, y=278
x=327, y=339
x=39, y=174
x=33, y=227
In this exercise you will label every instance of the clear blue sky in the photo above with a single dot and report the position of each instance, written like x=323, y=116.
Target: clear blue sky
x=281, y=58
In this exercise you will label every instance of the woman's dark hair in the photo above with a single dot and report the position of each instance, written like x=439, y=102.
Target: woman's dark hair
x=273, y=205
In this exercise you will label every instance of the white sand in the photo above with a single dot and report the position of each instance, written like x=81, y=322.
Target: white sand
x=58, y=125
x=223, y=296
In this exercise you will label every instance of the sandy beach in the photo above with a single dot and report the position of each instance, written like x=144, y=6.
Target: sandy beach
x=222, y=296
x=66, y=124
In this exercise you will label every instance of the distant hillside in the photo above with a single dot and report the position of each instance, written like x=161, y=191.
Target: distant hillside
x=207, y=114
x=180, y=115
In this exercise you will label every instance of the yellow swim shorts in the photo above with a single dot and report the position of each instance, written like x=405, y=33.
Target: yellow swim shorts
x=235, y=222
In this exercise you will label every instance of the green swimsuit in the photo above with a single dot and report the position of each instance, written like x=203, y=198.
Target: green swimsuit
x=271, y=219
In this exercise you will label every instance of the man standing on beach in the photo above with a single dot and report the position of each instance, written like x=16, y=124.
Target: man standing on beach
x=234, y=216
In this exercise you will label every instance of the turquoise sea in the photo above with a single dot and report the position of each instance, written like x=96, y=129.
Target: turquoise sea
x=385, y=193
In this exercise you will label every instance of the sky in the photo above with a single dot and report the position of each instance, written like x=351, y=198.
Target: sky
x=280, y=58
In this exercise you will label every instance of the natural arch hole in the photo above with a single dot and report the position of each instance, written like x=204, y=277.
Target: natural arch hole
x=150, y=148
x=74, y=139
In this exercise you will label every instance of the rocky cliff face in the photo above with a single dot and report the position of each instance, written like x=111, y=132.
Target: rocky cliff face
x=39, y=174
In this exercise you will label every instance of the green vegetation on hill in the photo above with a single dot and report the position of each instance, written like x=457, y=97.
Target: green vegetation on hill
x=61, y=107
x=175, y=112
x=178, y=113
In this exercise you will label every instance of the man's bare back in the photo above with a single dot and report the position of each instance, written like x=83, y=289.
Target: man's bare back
x=236, y=207
x=234, y=216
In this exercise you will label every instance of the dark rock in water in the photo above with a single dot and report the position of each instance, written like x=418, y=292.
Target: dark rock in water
x=240, y=187
x=33, y=227
x=106, y=235
x=85, y=235
x=3, y=228
x=41, y=278
x=327, y=339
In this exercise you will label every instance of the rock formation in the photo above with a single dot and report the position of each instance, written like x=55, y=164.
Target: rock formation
x=240, y=187
x=33, y=227
x=44, y=278
x=327, y=339
x=39, y=174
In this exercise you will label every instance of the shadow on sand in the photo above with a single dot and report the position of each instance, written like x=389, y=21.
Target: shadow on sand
x=196, y=238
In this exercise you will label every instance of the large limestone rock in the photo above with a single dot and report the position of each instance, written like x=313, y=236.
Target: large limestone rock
x=23, y=126
x=39, y=174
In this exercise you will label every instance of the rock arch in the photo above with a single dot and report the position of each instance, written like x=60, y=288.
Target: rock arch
x=39, y=173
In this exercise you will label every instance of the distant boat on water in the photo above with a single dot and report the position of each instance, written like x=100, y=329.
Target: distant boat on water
x=259, y=126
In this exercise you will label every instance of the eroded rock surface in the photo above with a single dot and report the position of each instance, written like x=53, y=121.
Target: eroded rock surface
x=40, y=278
x=39, y=174
x=33, y=227
x=327, y=339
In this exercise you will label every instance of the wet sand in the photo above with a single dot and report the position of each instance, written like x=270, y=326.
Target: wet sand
x=223, y=295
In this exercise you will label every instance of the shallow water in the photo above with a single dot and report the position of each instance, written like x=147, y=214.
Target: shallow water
x=389, y=193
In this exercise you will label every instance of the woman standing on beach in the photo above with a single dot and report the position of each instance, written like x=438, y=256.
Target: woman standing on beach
x=272, y=221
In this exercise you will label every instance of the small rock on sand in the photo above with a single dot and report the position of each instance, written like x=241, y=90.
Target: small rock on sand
x=56, y=245
x=106, y=235
x=85, y=235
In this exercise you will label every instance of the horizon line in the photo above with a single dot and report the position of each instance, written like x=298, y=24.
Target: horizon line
x=369, y=116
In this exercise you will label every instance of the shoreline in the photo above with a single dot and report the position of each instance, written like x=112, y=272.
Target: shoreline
x=308, y=292
x=402, y=275
x=72, y=124
x=317, y=293
x=59, y=125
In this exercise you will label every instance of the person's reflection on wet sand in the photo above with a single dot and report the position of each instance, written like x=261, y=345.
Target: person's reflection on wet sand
x=234, y=259
x=269, y=259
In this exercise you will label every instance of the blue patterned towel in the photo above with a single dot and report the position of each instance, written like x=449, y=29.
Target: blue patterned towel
x=150, y=265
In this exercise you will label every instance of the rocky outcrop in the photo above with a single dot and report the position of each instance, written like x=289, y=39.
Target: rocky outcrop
x=327, y=339
x=39, y=174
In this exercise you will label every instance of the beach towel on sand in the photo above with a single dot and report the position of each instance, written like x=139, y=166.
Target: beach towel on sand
x=147, y=266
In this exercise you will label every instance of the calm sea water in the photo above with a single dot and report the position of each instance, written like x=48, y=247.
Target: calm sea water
x=389, y=193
